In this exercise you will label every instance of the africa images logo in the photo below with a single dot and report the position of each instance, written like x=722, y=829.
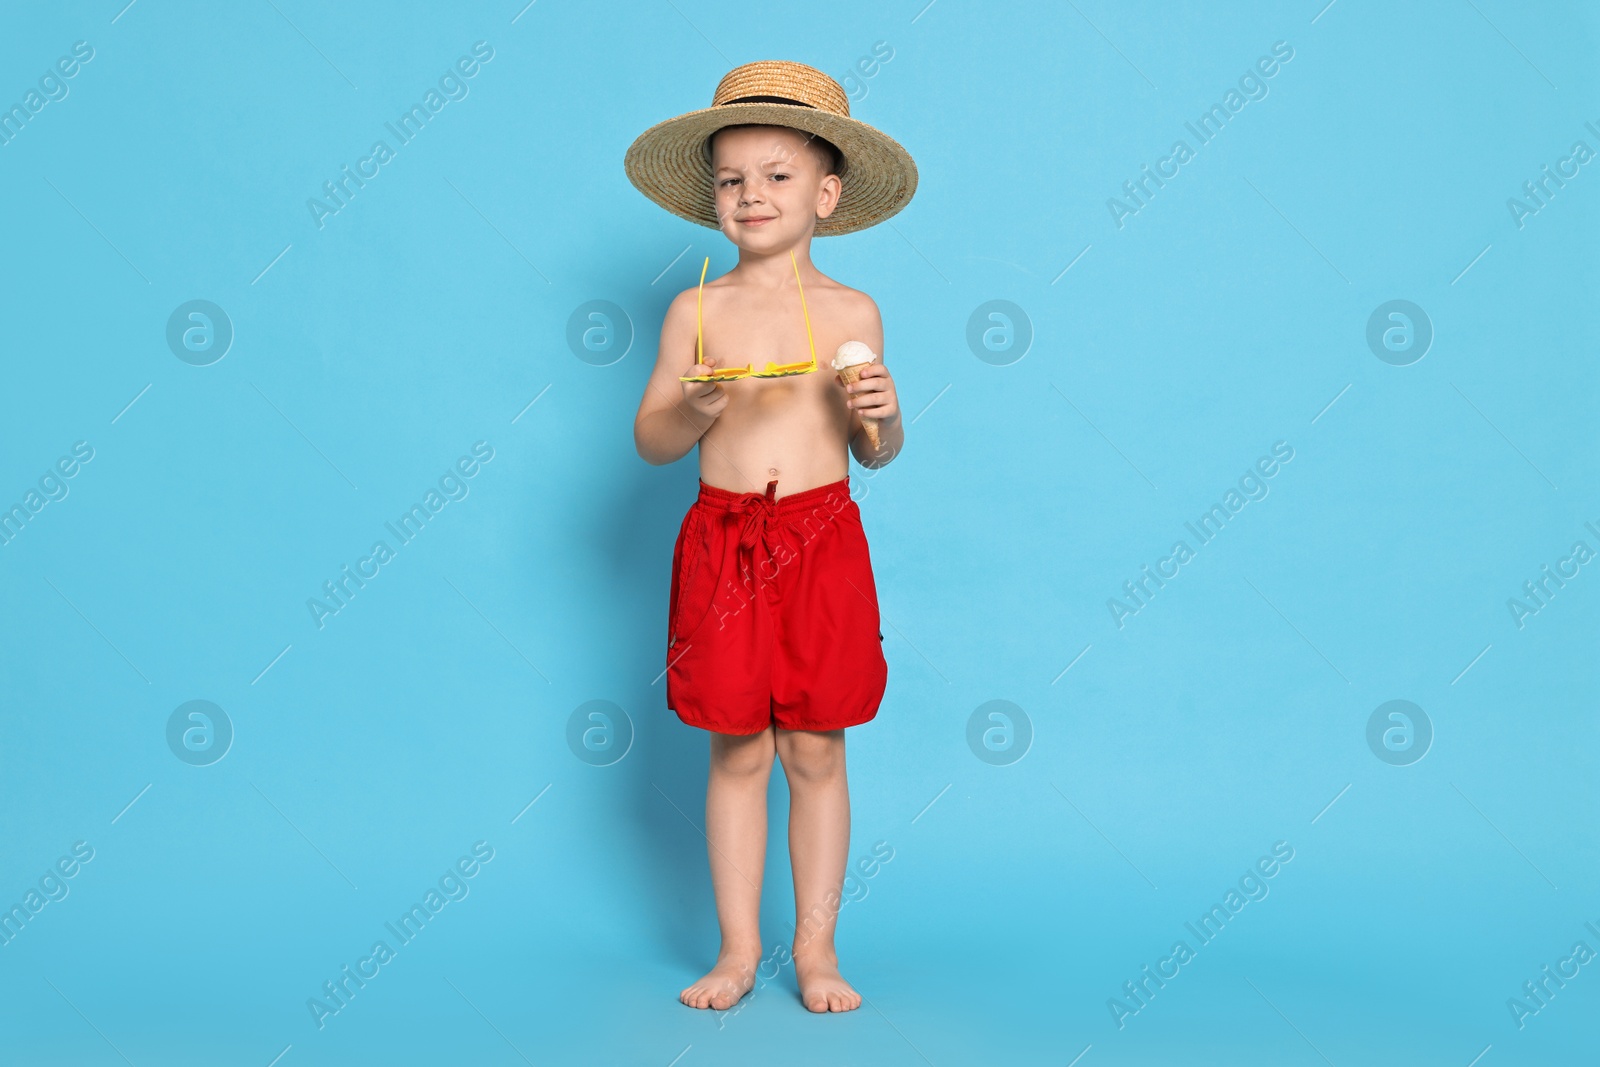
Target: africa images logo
x=452, y=86
x=453, y=485
x=453, y=885
x=1252, y=86
x=1252, y=485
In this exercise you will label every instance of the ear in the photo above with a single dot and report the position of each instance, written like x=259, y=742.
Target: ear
x=828, y=193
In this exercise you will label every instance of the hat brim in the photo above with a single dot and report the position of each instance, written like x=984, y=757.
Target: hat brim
x=671, y=163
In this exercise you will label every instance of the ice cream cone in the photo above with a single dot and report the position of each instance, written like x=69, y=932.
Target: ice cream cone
x=852, y=358
x=850, y=375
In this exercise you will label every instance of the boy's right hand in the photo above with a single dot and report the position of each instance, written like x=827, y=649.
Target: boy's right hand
x=706, y=399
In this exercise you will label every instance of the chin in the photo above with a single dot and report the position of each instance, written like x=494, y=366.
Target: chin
x=762, y=242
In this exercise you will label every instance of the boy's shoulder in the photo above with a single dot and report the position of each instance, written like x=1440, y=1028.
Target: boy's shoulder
x=848, y=298
x=851, y=310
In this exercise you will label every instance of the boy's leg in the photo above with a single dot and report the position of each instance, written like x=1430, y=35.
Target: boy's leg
x=819, y=846
x=736, y=840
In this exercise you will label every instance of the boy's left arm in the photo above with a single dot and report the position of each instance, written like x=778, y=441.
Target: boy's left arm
x=873, y=396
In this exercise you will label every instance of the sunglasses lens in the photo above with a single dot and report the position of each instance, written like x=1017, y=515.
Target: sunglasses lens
x=746, y=373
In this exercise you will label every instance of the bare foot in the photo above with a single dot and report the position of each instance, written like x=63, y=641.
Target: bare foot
x=725, y=983
x=821, y=986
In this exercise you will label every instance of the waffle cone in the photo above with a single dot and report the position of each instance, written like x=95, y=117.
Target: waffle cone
x=850, y=375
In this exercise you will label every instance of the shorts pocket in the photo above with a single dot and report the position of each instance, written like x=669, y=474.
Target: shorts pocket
x=686, y=554
x=695, y=584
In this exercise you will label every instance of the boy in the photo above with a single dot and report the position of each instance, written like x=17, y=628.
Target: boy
x=774, y=636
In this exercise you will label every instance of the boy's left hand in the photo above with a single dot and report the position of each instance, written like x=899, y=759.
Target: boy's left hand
x=873, y=396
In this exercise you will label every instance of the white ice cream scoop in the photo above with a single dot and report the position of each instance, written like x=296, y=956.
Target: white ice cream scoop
x=852, y=353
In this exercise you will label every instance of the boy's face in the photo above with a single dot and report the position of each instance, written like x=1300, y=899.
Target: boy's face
x=770, y=186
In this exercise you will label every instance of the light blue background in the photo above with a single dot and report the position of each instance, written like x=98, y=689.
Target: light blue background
x=429, y=313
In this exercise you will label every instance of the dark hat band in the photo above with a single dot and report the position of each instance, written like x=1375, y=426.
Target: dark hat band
x=766, y=100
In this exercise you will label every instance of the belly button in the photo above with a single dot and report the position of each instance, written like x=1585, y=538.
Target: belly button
x=772, y=470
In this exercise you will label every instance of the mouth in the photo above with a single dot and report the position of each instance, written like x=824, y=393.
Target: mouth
x=756, y=220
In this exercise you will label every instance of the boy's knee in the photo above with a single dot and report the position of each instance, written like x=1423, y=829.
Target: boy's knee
x=747, y=755
x=811, y=755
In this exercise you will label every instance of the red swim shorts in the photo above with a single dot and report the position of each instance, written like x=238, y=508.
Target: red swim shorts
x=773, y=615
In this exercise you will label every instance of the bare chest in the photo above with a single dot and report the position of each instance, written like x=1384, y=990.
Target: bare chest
x=739, y=330
x=794, y=428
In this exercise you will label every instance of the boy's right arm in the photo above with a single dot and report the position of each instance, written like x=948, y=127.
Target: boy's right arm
x=674, y=415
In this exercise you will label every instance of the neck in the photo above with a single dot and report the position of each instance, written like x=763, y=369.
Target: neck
x=774, y=268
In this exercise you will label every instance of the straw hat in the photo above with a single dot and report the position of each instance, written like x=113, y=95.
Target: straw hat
x=671, y=161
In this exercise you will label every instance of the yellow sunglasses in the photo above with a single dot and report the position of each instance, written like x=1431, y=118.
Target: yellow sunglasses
x=774, y=370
